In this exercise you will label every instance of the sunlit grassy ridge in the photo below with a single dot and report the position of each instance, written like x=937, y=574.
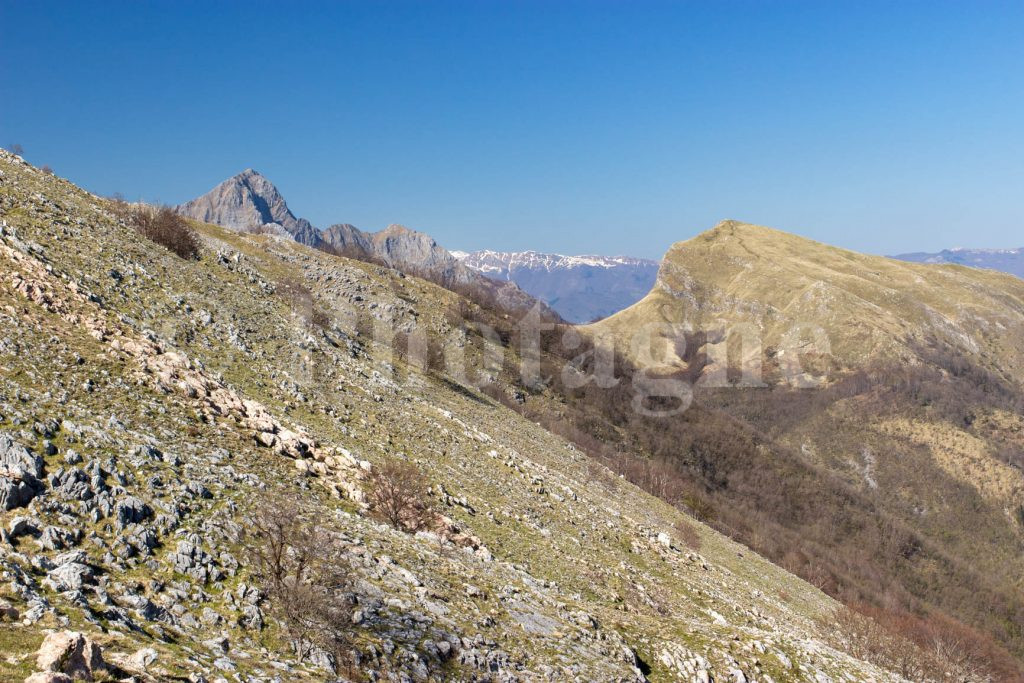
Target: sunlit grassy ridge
x=910, y=444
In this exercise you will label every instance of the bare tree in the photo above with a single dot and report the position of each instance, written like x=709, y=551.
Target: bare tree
x=15, y=148
x=300, y=568
x=398, y=495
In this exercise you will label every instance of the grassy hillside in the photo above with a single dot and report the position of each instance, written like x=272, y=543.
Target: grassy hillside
x=173, y=400
x=867, y=431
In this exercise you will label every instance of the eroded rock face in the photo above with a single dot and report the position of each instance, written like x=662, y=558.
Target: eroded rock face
x=70, y=573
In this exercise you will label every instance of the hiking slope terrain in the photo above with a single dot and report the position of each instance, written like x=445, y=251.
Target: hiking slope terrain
x=150, y=405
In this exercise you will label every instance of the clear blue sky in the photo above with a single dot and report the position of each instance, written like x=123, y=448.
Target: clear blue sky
x=562, y=126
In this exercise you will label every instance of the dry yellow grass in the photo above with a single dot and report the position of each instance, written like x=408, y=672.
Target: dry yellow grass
x=963, y=456
x=738, y=274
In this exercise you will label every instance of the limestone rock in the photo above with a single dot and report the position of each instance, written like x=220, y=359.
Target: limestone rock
x=70, y=653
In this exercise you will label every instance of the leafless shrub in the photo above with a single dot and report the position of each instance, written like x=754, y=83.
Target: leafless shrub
x=687, y=534
x=45, y=168
x=933, y=647
x=398, y=495
x=161, y=225
x=15, y=148
x=602, y=475
x=298, y=566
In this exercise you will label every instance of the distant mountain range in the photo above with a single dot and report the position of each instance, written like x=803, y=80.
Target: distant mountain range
x=249, y=202
x=580, y=288
x=1006, y=260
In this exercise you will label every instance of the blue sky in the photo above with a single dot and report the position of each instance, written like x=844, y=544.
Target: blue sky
x=575, y=127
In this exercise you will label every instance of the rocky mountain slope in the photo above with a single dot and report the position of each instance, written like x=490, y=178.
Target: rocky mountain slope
x=150, y=406
x=891, y=390
x=249, y=202
x=1006, y=260
x=580, y=288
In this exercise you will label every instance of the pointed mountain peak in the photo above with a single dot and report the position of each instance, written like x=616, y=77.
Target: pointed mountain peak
x=254, y=178
x=248, y=201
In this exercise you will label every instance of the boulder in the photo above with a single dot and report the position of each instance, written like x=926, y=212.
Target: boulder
x=131, y=510
x=20, y=471
x=72, y=654
x=23, y=526
x=143, y=659
x=71, y=573
x=15, y=493
x=56, y=538
x=15, y=459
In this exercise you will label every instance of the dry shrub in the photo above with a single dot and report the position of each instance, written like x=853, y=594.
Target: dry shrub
x=597, y=472
x=299, y=567
x=161, y=225
x=687, y=534
x=932, y=647
x=398, y=495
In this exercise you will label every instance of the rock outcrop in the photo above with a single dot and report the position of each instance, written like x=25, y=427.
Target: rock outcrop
x=69, y=654
x=20, y=472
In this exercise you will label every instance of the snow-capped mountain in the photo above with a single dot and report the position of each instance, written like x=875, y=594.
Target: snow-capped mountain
x=1006, y=260
x=579, y=288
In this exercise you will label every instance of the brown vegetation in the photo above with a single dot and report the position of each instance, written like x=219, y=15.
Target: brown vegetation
x=687, y=534
x=397, y=494
x=302, y=303
x=721, y=463
x=935, y=648
x=161, y=225
x=299, y=567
